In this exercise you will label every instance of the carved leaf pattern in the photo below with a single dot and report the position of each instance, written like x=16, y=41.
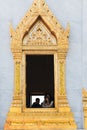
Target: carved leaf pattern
x=17, y=80
x=39, y=34
x=62, y=87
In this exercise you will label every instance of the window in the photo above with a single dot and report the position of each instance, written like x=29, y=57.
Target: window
x=39, y=77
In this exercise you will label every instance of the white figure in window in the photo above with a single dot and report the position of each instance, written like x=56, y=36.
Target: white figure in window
x=48, y=102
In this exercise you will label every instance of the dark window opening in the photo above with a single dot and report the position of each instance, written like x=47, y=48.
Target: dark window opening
x=39, y=78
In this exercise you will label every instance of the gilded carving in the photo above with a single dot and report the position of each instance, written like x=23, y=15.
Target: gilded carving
x=39, y=33
x=17, y=78
x=85, y=107
x=62, y=80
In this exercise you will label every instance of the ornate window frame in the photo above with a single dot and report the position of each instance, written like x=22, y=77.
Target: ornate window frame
x=52, y=38
x=39, y=18
x=23, y=79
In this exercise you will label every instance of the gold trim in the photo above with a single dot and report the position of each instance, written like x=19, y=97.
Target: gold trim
x=84, y=94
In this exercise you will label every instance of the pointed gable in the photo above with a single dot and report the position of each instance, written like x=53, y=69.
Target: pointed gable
x=47, y=26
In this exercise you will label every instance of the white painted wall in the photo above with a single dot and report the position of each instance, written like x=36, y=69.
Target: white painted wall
x=72, y=11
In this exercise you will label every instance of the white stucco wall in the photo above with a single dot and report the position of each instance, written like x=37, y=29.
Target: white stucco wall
x=72, y=11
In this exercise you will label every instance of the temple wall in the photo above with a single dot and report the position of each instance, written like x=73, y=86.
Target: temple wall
x=72, y=11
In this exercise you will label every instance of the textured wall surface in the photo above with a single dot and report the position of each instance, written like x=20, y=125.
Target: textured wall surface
x=72, y=11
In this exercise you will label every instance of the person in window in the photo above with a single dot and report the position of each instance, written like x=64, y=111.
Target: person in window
x=36, y=104
x=47, y=103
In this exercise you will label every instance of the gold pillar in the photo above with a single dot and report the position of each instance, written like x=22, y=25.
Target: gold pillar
x=63, y=101
x=85, y=107
x=16, y=104
x=17, y=78
x=62, y=88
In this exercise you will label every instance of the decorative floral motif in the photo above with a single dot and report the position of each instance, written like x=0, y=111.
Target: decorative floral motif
x=62, y=78
x=17, y=78
x=39, y=35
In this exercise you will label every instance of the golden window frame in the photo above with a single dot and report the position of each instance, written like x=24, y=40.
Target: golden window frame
x=54, y=53
x=39, y=33
x=52, y=39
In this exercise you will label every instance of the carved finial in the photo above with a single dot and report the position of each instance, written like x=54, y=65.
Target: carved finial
x=12, y=31
x=39, y=3
x=67, y=31
x=84, y=91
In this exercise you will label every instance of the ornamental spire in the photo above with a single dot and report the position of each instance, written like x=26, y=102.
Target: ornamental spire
x=39, y=3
